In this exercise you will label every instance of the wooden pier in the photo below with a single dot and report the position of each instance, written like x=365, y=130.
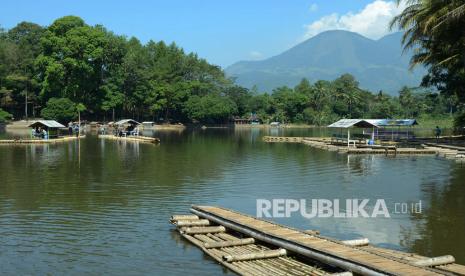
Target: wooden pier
x=250, y=246
x=143, y=139
x=40, y=141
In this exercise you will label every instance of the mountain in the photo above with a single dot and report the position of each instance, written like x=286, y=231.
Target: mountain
x=377, y=64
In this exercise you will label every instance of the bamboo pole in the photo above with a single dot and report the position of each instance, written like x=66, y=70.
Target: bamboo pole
x=229, y=243
x=198, y=222
x=216, y=257
x=442, y=260
x=346, y=273
x=181, y=217
x=357, y=242
x=202, y=230
x=255, y=256
x=291, y=246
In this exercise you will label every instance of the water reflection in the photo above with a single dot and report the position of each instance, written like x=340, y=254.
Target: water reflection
x=101, y=206
x=435, y=231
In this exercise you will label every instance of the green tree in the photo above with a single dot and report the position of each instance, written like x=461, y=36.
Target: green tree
x=210, y=108
x=434, y=30
x=5, y=116
x=75, y=61
x=346, y=89
x=407, y=101
x=60, y=109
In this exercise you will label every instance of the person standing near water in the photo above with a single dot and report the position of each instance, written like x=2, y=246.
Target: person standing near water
x=76, y=130
x=437, y=132
x=70, y=128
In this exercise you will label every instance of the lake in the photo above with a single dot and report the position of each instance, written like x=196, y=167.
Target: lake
x=102, y=207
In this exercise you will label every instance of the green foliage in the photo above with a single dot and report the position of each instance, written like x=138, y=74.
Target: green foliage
x=210, y=108
x=324, y=102
x=72, y=68
x=60, y=109
x=5, y=116
x=434, y=29
x=459, y=122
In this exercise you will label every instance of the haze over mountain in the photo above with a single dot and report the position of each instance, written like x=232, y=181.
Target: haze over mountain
x=377, y=64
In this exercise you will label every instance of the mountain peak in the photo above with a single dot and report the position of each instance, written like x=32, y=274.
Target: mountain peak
x=377, y=64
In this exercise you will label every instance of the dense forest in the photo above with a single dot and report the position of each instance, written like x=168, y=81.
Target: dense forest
x=53, y=72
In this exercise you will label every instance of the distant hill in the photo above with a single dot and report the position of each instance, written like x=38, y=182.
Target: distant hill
x=377, y=64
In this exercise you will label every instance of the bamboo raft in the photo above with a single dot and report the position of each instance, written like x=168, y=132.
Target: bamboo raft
x=41, y=141
x=131, y=138
x=450, y=152
x=250, y=246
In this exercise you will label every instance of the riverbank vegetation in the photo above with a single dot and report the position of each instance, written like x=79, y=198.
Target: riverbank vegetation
x=49, y=71
x=4, y=116
x=434, y=29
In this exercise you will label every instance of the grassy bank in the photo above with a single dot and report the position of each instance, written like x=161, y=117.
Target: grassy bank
x=444, y=122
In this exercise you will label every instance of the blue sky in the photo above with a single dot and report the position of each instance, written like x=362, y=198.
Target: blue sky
x=223, y=32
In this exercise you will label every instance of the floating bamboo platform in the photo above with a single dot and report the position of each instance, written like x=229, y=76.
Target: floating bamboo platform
x=132, y=138
x=250, y=246
x=447, y=151
x=41, y=141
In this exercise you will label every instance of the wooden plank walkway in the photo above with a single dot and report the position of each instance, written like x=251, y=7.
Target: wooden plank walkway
x=366, y=260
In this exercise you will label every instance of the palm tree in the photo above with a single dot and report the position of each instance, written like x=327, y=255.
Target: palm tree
x=434, y=31
x=430, y=23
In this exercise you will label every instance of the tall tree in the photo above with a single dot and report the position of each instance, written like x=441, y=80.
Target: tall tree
x=434, y=30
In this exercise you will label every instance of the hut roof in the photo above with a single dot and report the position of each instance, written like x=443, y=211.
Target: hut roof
x=127, y=121
x=393, y=122
x=346, y=123
x=47, y=123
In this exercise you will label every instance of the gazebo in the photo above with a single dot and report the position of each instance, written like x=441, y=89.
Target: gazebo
x=129, y=125
x=50, y=126
x=382, y=129
x=393, y=129
x=351, y=123
x=127, y=122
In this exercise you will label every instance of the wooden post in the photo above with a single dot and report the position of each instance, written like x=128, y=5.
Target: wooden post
x=79, y=128
x=348, y=137
x=25, y=109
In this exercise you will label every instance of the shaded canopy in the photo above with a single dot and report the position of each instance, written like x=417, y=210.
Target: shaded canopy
x=127, y=122
x=347, y=123
x=369, y=123
x=393, y=122
x=47, y=124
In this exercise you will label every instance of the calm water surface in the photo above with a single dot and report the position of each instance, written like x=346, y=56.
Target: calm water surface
x=100, y=206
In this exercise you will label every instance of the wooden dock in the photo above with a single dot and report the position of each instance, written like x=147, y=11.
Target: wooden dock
x=250, y=246
x=143, y=139
x=40, y=141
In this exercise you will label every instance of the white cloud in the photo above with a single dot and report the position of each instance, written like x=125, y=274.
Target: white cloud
x=313, y=7
x=372, y=21
x=255, y=55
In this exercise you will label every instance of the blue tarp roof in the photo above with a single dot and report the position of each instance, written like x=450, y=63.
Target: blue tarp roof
x=367, y=123
x=393, y=122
